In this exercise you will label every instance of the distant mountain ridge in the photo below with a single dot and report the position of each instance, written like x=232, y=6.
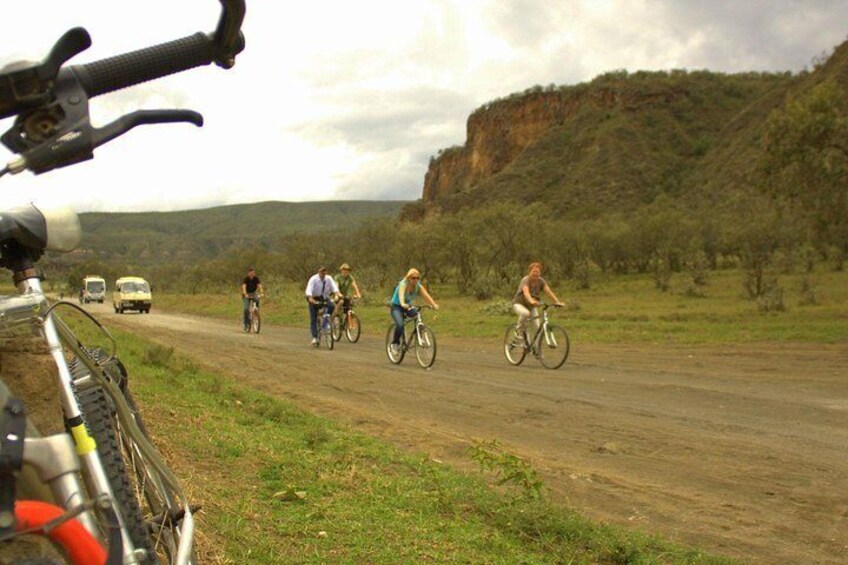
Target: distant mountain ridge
x=617, y=142
x=156, y=236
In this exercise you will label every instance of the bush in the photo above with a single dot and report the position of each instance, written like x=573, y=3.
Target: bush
x=809, y=292
x=771, y=300
x=497, y=308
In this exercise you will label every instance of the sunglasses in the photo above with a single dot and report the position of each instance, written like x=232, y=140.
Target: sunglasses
x=414, y=278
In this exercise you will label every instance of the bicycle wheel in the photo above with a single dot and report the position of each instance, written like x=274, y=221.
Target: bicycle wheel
x=353, y=328
x=255, y=321
x=140, y=487
x=326, y=335
x=337, y=328
x=395, y=356
x=514, y=350
x=553, y=347
x=425, y=347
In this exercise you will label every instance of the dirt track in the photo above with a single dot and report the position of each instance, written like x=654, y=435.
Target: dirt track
x=742, y=451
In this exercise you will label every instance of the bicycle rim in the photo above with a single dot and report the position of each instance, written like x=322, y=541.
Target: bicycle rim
x=353, y=328
x=425, y=347
x=336, y=324
x=256, y=321
x=327, y=337
x=513, y=347
x=395, y=358
x=553, y=347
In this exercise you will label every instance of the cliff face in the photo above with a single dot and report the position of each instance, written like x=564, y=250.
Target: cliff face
x=498, y=132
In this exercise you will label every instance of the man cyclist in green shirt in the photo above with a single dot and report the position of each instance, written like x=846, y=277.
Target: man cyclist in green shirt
x=346, y=282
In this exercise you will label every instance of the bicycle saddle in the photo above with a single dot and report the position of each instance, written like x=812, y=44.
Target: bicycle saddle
x=37, y=230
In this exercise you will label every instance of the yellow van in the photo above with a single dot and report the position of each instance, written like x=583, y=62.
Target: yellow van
x=131, y=293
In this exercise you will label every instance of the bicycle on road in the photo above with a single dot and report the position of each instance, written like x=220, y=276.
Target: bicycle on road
x=102, y=479
x=418, y=336
x=254, y=319
x=549, y=343
x=325, y=326
x=345, y=321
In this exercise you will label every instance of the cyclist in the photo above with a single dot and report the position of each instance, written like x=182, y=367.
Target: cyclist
x=405, y=292
x=346, y=282
x=526, y=300
x=320, y=290
x=251, y=288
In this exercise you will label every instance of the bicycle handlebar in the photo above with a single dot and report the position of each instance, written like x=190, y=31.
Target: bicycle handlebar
x=52, y=129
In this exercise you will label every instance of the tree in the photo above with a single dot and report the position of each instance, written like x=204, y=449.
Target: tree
x=806, y=160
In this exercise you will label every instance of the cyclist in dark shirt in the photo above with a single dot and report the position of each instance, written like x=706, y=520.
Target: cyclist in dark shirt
x=251, y=289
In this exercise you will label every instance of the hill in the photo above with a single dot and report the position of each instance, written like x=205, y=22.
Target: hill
x=154, y=237
x=617, y=142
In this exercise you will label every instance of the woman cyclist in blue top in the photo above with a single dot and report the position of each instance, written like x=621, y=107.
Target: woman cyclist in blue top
x=406, y=291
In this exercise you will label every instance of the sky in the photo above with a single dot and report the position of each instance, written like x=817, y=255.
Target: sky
x=341, y=100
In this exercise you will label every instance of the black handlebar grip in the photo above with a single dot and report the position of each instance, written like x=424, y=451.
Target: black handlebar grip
x=121, y=71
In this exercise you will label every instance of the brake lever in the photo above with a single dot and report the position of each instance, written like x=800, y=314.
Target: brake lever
x=142, y=117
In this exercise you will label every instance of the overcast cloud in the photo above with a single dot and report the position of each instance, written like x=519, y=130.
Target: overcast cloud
x=348, y=100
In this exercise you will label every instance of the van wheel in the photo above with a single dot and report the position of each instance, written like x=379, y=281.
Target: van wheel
x=116, y=308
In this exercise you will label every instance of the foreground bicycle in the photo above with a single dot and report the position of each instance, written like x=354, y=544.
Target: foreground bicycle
x=421, y=338
x=108, y=484
x=347, y=323
x=549, y=344
x=254, y=319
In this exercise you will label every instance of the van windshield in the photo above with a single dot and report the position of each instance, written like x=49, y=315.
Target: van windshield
x=135, y=287
x=95, y=286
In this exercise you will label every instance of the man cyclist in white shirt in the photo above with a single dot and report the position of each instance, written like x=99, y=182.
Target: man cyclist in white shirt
x=321, y=290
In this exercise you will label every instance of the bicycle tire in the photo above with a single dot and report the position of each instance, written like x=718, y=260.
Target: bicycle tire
x=553, y=347
x=336, y=325
x=513, y=347
x=99, y=419
x=353, y=328
x=255, y=321
x=425, y=347
x=152, y=497
x=395, y=359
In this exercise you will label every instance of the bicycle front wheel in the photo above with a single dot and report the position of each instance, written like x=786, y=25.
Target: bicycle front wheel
x=553, y=347
x=337, y=328
x=514, y=349
x=353, y=328
x=255, y=321
x=327, y=338
x=394, y=355
x=425, y=347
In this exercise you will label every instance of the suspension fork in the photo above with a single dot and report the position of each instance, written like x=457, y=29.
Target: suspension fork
x=67, y=488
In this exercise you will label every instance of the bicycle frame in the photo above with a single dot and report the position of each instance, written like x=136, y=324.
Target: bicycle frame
x=417, y=321
x=541, y=330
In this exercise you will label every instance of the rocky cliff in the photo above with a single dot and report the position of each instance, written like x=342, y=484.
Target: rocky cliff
x=498, y=132
x=612, y=144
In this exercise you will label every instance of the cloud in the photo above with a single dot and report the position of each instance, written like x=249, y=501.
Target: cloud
x=350, y=99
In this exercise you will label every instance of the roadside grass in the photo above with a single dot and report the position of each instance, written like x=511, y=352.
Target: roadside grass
x=622, y=309
x=280, y=485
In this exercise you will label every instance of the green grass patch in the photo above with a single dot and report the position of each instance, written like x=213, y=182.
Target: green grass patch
x=624, y=309
x=280, y=485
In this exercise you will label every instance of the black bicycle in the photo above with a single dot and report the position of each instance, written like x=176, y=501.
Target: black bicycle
x=417, y=336
x=549, y=344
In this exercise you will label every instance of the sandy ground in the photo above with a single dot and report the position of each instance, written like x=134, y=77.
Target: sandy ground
x=742, y=451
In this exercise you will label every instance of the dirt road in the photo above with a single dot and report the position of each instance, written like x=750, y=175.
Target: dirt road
x=742, y=451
